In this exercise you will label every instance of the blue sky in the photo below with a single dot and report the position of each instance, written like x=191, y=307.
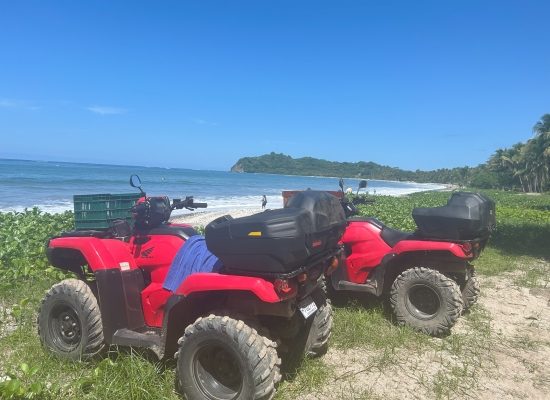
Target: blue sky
x=412, y=84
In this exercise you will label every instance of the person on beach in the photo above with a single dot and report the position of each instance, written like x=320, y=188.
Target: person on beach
x=264, y=201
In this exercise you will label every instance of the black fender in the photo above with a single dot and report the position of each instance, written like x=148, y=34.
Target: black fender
x=181, y=311
x=66, y=259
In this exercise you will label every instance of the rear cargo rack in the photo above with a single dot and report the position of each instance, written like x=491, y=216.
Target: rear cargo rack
x=417, y=236
x=317, y=259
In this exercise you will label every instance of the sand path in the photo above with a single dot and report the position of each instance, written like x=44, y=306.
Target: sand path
x=505, y=356
x=204, y=217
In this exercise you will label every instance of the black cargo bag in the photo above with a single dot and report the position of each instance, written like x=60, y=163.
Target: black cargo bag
x=278, y=241
x=466, y=216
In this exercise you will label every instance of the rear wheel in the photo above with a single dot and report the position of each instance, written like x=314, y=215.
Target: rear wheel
x=69, y=321
x=321, y=326
x=426, y=300
x=222, y=358
x=470, y=290
x=301, y=337
x=338, y=297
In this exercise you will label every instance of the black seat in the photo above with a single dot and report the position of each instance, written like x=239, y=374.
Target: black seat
x=372, y=220
x=184, y=232
x=389, y=235
x=392, y=236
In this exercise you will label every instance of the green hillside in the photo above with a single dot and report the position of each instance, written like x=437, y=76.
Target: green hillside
x=276, y=163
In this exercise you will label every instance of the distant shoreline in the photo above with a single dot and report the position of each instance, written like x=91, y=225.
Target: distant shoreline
x=103, y=164
x=50, y=186
x=343, y=177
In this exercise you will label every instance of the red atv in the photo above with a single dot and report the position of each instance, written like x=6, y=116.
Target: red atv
x=225, y=326
x=428, y=273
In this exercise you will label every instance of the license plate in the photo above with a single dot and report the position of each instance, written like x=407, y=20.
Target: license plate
x=307, y=308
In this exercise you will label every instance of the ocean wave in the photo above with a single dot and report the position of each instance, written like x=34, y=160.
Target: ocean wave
x=55, y=207
x=220, y=203
x=37, y=184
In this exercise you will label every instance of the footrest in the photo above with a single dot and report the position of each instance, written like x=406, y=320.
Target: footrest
x=126, y=337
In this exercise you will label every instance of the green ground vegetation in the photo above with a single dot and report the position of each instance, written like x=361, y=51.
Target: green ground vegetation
x=520, y=243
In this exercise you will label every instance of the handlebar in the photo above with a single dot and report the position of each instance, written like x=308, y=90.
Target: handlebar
x=188, y=202
x=350, y=208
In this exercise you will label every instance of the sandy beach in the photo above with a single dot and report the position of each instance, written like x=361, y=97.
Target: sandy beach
x=203, y=218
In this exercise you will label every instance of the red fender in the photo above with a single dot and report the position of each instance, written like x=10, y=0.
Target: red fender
x=154, y=296
x=202, y=282
x=367, y=247
x=99, y=253
x=406, y=246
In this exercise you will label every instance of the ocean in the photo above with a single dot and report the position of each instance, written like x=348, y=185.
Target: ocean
x=51, y=185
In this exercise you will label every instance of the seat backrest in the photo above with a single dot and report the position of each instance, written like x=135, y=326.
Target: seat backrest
x=121, y=229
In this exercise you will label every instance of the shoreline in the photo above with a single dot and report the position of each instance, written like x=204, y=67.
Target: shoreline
x=203, y=218
x=50, y=186
x=343, y=177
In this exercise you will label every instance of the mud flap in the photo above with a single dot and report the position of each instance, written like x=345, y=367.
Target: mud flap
x=307, y=307
x=119, y=300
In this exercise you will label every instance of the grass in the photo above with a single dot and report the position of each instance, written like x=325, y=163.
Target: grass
x=470, y=352
x=358, y=324
x=124, y=375
x=536, y=275
x=519, y=247
x=311, y=375
x=450, y=367
x=454, y=362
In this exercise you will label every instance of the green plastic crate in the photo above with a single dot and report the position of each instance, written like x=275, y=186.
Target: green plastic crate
x=96, y=211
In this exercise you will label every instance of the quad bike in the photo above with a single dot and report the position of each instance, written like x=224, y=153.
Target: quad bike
x=427, y=274
x=227, y=329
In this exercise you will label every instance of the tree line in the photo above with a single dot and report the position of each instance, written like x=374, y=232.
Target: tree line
x=524, y=166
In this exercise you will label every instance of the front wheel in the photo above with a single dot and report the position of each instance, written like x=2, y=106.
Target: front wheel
x=223, y=358
x=69, y=321
x=426, y=300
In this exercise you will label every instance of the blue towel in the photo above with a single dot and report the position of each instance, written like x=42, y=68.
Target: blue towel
x=191, y=258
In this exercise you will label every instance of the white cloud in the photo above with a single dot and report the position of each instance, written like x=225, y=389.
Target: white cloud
x=199, y=121
x=7, y=103
x=106, y=110
x=11, y=103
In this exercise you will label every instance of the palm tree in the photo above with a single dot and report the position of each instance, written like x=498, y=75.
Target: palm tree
x=541, y=148
x=542, y=126
x=528, y=163
x=511, y=162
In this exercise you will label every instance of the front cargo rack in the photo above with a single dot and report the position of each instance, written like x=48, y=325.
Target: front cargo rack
x=97, y=211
